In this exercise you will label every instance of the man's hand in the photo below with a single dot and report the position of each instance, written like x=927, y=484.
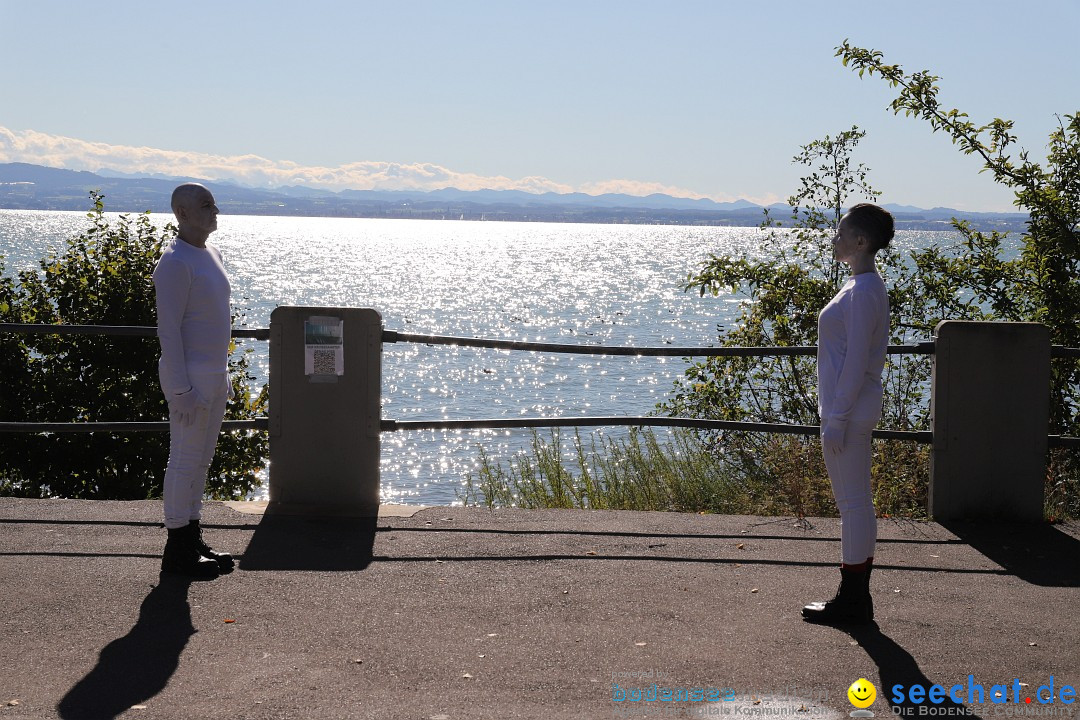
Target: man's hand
x=832, y=437
x=182, y=406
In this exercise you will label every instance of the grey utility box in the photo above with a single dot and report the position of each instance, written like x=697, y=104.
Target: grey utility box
x=990, y=406
x=325, y=386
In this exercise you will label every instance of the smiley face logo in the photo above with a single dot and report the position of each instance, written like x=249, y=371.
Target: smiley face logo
x=862, y=693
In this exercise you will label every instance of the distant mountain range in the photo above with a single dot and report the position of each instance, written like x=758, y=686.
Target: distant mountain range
x=34, y=187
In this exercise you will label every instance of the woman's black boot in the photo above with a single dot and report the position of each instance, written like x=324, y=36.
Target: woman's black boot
x=850, y=605
x=224, y=560
x=869, y=597
x=181, y=557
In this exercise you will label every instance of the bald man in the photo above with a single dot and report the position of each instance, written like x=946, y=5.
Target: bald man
x=194, y=329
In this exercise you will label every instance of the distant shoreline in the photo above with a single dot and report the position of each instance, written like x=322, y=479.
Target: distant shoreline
x=35, y=187
x=605, y=217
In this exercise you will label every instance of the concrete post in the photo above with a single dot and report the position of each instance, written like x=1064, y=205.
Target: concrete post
x=990, y=410
x=325, y=387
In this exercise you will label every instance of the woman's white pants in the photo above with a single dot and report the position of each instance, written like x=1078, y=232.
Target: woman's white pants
x=849, y=471
x=191, y=448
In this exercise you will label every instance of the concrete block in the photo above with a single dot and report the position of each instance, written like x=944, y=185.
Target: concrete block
x=990, y=408
x=325, y=410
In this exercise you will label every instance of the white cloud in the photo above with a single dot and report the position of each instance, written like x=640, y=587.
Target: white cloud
x=30, y=146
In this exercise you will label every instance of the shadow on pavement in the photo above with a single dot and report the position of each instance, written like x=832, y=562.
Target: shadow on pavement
x=896, y=666
x=1038, y=553
x=289, y=542
x=138, y=666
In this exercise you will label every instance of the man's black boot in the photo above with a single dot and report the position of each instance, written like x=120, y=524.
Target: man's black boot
x=850, y=605
x=181, y=557
x=224, y=560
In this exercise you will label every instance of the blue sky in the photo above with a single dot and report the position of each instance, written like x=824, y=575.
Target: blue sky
x=694, y=98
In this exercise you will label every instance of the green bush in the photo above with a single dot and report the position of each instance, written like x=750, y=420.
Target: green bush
x=103, y=277
x=1040, y=283
x=15, y=369
x=789, y=278
x=982, y=276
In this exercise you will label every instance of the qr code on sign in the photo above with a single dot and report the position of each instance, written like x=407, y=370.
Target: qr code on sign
x=324, y=362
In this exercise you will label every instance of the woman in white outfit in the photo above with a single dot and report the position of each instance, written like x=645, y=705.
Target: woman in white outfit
x=853, y=336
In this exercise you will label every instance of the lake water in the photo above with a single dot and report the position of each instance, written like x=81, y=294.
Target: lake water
x=567, y=283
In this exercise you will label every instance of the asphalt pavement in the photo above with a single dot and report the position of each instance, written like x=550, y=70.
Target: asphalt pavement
x=447, y=613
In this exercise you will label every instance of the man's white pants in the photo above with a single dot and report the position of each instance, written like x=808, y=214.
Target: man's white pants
x=191, y=448
x=849, y=471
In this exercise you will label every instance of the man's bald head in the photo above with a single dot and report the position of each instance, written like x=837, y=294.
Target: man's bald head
x=187, y=195
x=196, y=213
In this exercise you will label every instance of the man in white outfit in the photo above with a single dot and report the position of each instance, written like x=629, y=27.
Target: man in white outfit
x=194, y=329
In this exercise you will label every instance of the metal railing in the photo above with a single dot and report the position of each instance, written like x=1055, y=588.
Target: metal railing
x=120, y=330
x=124, y=427
x=390, y=425
x=390, y=336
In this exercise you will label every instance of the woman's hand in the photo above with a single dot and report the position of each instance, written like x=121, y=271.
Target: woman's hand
x=832, y=436
x=183, y=406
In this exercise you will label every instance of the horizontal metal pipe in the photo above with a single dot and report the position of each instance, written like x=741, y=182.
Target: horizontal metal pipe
x=118, y=330
x=922, y=437
x=392, y=336
x=90, y=427
x=615, y=420
x=652, y=421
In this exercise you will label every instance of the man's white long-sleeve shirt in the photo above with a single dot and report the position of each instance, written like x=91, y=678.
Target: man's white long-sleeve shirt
x=853, y=336
x=194, y=321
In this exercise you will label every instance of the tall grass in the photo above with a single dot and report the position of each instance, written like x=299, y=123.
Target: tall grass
x=728, y=473
x=635, y=473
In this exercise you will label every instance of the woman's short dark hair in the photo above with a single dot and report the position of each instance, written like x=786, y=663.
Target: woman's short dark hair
x=875, y=221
